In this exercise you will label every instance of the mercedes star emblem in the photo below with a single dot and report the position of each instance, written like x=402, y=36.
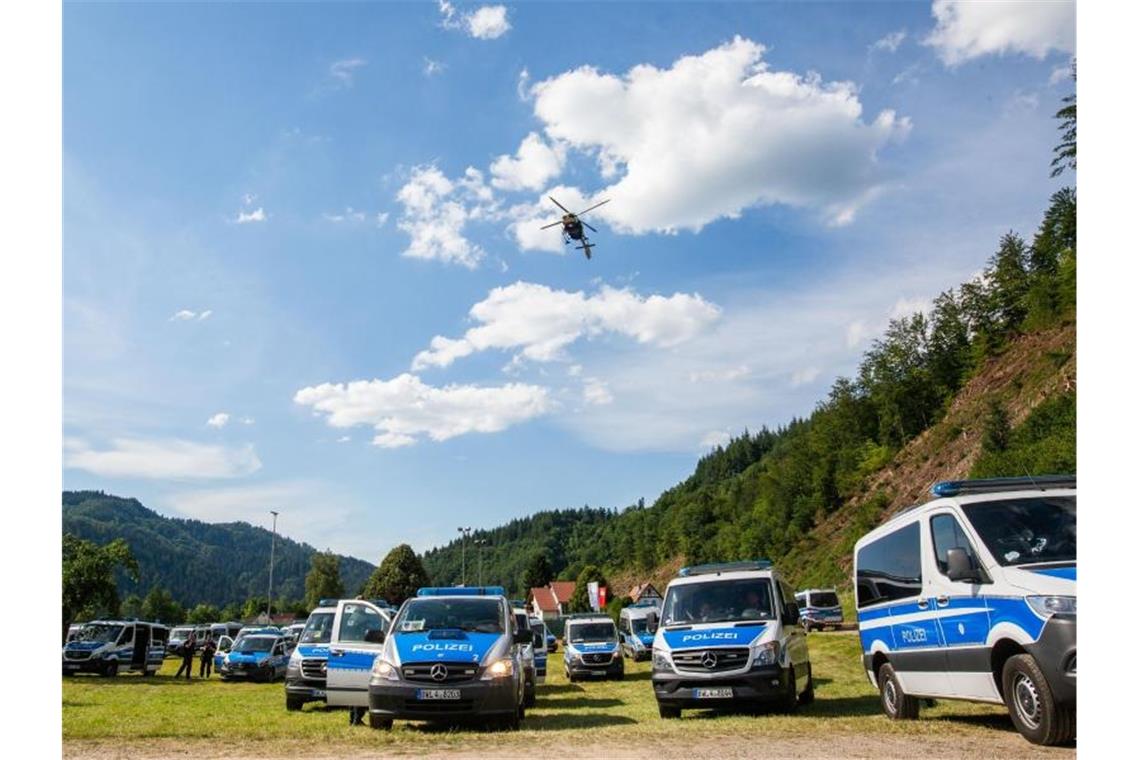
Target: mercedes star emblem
x=438, y=672
x=708, y=659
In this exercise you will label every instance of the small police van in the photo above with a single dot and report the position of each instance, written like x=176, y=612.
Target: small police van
x=107, y=646
x=538, y=629
x=305, y=675
x=526, y=657
x=637, y=624
x=452, y=653
x=819, y=607
x=592, y=648
x=973, y=596
x=255, y=657
x=730, y=634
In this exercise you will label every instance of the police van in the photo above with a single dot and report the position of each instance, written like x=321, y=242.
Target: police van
x=305, y=675
x=255, y=657
x=637, y=624
x=819, y=608
x=108, y=646
x=452, y=653
x=729, y=634
x=526, y=656
x=538, y=629
x=591, y=647
x=973, y=596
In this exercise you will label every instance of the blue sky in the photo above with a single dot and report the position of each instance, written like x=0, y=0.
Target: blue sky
x=302, y=268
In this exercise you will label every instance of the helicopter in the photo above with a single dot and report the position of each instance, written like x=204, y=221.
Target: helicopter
x=572, y=226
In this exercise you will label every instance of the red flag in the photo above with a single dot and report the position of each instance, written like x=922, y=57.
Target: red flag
x=602, y=597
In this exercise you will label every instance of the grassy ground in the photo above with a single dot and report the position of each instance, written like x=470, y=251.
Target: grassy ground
x=130, y=715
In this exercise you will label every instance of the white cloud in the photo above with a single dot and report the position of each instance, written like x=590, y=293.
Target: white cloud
x=541, y=322
x=344, y=439
x=348, y=215
x=967, y=30
x=404, y=409
x=257, y=215
x=248, y=199
x=804, y=376
x=219, y=420
x=719, y=375
x=183, y=315
x=247, y=420
x=857, y=332
x=381, y=218
x=1060, y=75
x=343, y=71
x=714, y=438
x=205, y=315
x=907, y=307
x=436, y=210
x=161, y=459
x=715, y=134
x=596, y=393
x=433, y=67
x=533, y=165
x=522, y=88
x=488, y=22
x=889, y=42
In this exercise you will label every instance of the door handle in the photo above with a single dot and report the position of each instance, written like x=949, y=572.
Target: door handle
x=943, y=601
x=923, y=604
x=336, y=652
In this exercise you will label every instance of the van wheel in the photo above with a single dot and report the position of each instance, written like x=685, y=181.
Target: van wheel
x=380, y=724
x=791, y=698
x=293, y=703
x=111, y=669
x=807, y=696
x=668, y=712
x=1031, y=706
x=896, y=704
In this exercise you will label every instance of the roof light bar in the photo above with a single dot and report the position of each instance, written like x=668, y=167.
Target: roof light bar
x=996, y=485
x=725, y=567
x=461, y=591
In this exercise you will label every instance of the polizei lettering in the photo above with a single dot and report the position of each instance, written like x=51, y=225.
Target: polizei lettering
x=710, y=636
x=442, y=648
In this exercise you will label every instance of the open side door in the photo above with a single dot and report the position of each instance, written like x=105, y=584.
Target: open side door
x=357, y=632
x=141, y=647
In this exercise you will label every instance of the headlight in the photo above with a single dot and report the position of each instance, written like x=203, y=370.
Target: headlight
x=661, y=660
x=765, y=654
x=1046, y=606
x=385, y=670
x=499, y=669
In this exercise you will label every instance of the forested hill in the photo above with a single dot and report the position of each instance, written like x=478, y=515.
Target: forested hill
x=212, y=563
x=981, y=385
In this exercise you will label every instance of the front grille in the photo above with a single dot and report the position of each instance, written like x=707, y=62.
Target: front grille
x=441, y=706
x=597, y=659
x=314, y=668
x=711, y=660
x=455, y=672
x=78, y=655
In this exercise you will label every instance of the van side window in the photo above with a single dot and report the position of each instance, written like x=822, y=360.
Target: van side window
x=889, y=567
x=357, y=620
x=948, y=534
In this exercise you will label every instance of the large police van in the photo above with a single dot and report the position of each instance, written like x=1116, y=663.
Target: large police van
x=452, y=653
x=305, y=675
x=819, y=607
x=637, y=624
x=973, y=596
x=730, y=634
x=108, y=646
x=591, y=647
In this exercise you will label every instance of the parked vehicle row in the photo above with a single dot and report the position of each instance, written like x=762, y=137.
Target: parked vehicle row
x=107, y=646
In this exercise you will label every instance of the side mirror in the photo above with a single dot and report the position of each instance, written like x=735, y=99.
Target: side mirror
x=524, y=637
x=651, y=622
x=791, y=613
x=958, y=565
x=374, y=636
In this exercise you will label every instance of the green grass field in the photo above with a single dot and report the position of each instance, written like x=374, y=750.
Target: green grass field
x=132, y=711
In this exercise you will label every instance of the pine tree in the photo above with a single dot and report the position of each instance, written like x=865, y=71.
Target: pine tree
x=1009, y=277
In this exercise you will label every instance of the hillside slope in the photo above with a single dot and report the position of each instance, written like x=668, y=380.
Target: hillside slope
x=197, y=562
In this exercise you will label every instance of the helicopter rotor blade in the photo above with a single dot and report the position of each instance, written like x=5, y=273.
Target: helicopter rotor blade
x=592, y=229
x=552, y=224
x=591, y=208
x=559, y=205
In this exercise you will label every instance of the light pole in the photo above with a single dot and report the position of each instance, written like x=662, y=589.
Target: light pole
x=464, y=532
x=272, y=549
x=480, y=542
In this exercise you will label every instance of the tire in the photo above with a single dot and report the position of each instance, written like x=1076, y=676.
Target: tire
x=807, y=696
x=897, y=705
x=791, y=698
x=111, y=669
x=378, y=723
x=668, y=712
x=293, y=702
x=1031, y=704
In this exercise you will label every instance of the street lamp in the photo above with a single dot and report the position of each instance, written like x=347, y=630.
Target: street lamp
x=464, y=532
x=272, y=549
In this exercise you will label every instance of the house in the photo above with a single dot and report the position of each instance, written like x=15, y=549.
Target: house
x=550, y=602
x=644, y=591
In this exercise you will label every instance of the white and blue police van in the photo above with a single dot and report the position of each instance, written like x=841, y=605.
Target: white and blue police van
x=819, y=608
x=636, y=626
x=729, y=635
x=451, y=654
x=526, y=655
x=108, y=646
x=973, y=596
x=538, y=629
x=591, y=648
x=305, y=677
x=255, y=657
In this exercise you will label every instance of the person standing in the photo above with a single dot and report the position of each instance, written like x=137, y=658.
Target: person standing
x=206, y=663
x=187, y=657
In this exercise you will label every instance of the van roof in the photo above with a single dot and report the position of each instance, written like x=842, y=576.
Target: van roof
x=589, y=617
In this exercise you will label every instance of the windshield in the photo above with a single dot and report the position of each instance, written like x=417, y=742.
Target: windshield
x=824, y=599
x=477, y=614
x=718, y=602
x=319, y=628
x=100, y=632
x=638, y=625
x=583, y=632
x=250, y=644
x=180, y=633
x=1026, y=531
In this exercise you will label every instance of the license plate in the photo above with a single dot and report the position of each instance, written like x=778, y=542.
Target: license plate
x=318, y=693
x=70, y=666
x=432, y=694
x=713, y=693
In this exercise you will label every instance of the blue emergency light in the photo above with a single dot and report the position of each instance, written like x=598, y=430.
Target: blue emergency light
x=996, y=485
x=462, y=591
x=725, y=567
